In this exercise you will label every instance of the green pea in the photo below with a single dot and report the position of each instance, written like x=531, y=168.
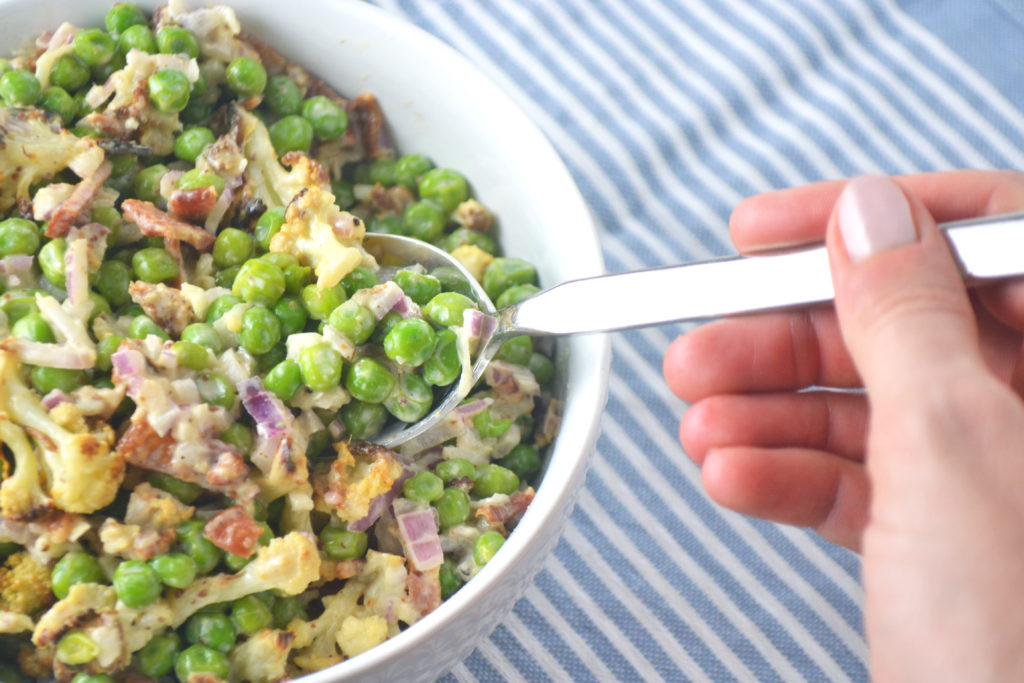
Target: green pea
x=297, y=277
x=34, y=328
x=410, y=168
x=199, y=659
x=123, y=15
x=195, y=179
x=523, y=460
x=455, y=468
x=320, y=302
x=146, y=184
x=285, y=609
x=212, y=630
x=18, y=236
x=215, y=389
x=515, y=294
x=444, y=365
x=492, y=479
x=445, y=186
x=169, y=90
x=516, y=350
x=452, y=280
x=419, y=287
x=542, y=368
x=46, y=380
x=384, y=326
x=137, y=37
x=246, y=76
x=266, y=362
x=74, y=568
x=250, y=614
x=410, y=342
x=461, y=236
x=452, y=506
x=203, y=552
x=321, y=367
x=424, y=487
x=488, y=426
x=191, y=142
x=203, y=334
x=329, y=120
x=362, y=420
x=383, y=171
x=353, y=320
x=100, y=306
x=268, y=225
x=142, y=326
x=219, y=307
x=108, y=215
x=423, y=220
x=291, y=133
x=57, y=101
x=450, y=581
x=506, y=271
x=281, y=259
x=69, y=72
x=232, y=247
x=83, y=677
x=259, y=282
x=196, y=111
x=447, y=308
x=344, y=194
x=191, y=355
x=284, y=379
x=282, y=96
x=185, y=491
x=51, y=260
x=18, y=303
x=369, y=381
x=485, y=546
x=239, y=436
x=175, y=40
x=76, y=648
x=93, y=46
x=361, y=277
x=136, y=583
x=387, y=225
x=226, y=278
x=112, y=282
x=411, y=398
x=156, y=658
x=339, y=543
x=19, y=88
x=176, y=570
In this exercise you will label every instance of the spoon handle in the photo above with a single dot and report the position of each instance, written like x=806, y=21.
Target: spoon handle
x=986, y=248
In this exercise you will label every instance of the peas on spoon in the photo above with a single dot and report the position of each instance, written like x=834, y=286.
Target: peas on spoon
x=985, y=248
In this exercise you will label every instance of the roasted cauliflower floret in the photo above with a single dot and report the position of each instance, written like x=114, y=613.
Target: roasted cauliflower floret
x=289, y=564
x=34, y=148
x=82, y=472
x=21, y=493
x=360, y=473
x=265, y=178
x=24, y=584
x=262, y=658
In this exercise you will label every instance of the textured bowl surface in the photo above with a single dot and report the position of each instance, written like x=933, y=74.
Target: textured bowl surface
x=439, y=104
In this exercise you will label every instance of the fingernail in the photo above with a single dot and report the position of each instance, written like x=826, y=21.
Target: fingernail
x=873, y=216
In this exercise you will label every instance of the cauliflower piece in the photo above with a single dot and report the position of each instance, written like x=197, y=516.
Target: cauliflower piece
x=360, y=473
x=33, y=148
x=359, y=634
x=22, y=493
x=214, y=27
x=83, y=599
x=151, y=507
x=13, y=622
x=289, y=563
x=24, y=584
x=266, y=179
x=316, y=641
x=474, y=259
x=82, y=471
x=76, y=349
x=262, y=658
x=47, y=536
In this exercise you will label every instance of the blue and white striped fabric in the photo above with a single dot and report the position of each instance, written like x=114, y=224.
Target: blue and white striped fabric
x=668, y=112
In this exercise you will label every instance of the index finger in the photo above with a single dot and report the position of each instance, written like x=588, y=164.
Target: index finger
x=798, y=215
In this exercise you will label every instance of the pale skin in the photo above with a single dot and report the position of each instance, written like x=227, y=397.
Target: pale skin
x=923, y=471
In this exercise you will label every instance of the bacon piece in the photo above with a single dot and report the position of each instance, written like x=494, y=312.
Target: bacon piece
x=173, y=247
x=64, y=216
x=194, y=204
x=167, y=306
x=235, y=531
x=156, y=223
x=368, y=122
x=424, y=589
x=392, y=200
x=516, y=505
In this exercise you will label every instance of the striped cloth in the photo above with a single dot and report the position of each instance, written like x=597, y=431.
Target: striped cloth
x=667, y=113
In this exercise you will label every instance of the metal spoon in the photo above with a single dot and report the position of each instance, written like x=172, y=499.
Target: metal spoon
x=986, y=248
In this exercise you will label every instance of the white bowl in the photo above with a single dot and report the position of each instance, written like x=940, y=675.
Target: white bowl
x=439, y=104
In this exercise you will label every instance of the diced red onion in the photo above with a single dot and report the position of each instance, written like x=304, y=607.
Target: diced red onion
x=54, y=398
x=449, y=427
x=76, y=272
x=270, y=413
x=169, y=183
x=222, y=204
x=16, y=270
x=471, y=408
x=417, y=529
x=381, y=503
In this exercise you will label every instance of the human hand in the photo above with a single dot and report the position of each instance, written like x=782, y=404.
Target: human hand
x=920, y=471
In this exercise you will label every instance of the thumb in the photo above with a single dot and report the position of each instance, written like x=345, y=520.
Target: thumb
x=902, y=304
